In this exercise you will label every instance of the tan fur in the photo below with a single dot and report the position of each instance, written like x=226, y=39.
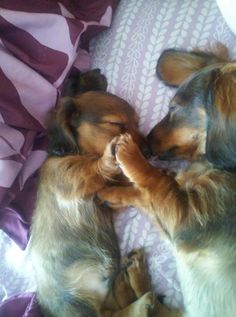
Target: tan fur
x=196, y=209
x=73, y=243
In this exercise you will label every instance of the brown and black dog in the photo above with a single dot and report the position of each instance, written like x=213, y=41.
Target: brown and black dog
x=73, y=244
x=196, y=209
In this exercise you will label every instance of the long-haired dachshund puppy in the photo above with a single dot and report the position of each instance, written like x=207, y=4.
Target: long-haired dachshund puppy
x=73, y=244
x=196, y=209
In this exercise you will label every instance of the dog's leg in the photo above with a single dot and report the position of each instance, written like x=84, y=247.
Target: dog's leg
x=106, y=165
x=118, y=197
x=151, y=188
x=162, y=311
x=137, y=169
x=154, y=192
x=137, y=273
x=132, y=162
x=80, y=176
x=131, y=283
x=143, y=307
x=121, y=293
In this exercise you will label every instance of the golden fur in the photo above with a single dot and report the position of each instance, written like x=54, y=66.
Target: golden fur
x=196, y=209
x=73, y=244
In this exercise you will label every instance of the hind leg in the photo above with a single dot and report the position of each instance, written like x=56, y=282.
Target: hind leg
x=146, y=306
x=131, y=283
x=142, y=307
x=137, y=273
x=121, y=293
x=140, y=283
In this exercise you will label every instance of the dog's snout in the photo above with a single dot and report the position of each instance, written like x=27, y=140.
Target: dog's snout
x=168, y=155
x=147, y=151
x=150, y=137
x=152, y=143
x=142, y=143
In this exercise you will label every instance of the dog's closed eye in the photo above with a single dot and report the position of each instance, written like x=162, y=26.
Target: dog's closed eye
x=121, y=125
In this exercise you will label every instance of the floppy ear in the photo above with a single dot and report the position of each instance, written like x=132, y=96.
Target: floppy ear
x=78, y=83
x=93, y=80
x=61, y=132
x=174, y=65
x=221, y=110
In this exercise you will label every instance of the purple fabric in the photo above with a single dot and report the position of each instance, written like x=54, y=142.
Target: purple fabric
x=39, y=43
x=24, y=305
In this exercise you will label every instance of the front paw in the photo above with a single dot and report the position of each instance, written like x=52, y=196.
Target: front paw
x=126, y=149
x=108, y=163
x=107, y=197
x=119, y=197
x=129, y=157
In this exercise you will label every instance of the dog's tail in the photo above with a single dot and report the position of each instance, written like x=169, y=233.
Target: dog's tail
x=78, y=83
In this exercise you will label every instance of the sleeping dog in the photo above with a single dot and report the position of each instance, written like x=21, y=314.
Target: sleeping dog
x=73, y=244
x=196, y=209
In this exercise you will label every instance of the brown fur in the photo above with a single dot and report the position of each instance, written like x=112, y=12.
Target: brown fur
x=73, y=244
x=197, y=208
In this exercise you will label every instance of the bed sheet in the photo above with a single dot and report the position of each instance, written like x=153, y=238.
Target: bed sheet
x=127, y=54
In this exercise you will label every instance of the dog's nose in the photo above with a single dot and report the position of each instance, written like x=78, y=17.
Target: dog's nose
x=150, y=137
x=142, y=143
x=151, y=144
x=147, y=152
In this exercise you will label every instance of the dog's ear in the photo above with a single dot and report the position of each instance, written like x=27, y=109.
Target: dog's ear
x=62, y=133
x=174, y=65
x=93, y=80
x=221, y=110
x=78, y=83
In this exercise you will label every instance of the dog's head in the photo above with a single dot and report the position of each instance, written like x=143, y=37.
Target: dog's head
x=87, y=123
x=202, y=116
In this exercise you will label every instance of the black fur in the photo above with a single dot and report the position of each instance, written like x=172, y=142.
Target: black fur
x=78, y=83
x=61, y=134
x=221, y=134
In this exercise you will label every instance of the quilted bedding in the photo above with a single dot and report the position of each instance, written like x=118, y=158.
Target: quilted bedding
x=40, y=43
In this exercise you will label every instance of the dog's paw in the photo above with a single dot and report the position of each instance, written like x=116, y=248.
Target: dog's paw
x=153, y=308
x=108, y=159
x=126, y=149
x=133, y=257
x=145, y=306
x=109, y=197
x=136, y=268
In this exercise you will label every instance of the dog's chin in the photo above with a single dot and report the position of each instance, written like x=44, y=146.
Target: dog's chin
x=171, y=158
x=146, y=153
x=172, y=155
x=159, y=154
x=165, y=156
